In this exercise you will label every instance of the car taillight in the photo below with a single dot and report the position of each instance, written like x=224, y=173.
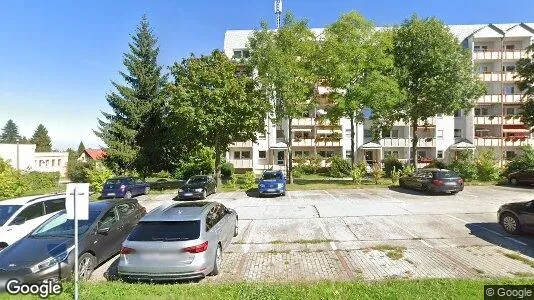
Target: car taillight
x=123, y=187
x=126, y=250
x=198, y=248
x=437, y=182
x=460, y=181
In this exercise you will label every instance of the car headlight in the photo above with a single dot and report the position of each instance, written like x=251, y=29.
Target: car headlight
x=280, y=185
x=198, y=190
x=262, y=185
x=52, y=261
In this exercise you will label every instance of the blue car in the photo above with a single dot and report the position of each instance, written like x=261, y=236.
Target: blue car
x=124, y=187
x=272, y=183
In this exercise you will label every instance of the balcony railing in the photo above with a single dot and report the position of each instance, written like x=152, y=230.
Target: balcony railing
x=495, y=141
x=488, y=120
x=303, y=122
x=516, y=98
x=496, y=54
x=512, y=120
x=242, y=163
x=487, y=142
x=247, y=144
x=407, y=142
x=496, y=98
x=488, y=54
x=430, y=121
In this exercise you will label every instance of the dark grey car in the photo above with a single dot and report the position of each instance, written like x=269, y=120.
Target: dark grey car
x=197, y=187
x=433, y=181
x=47, y=253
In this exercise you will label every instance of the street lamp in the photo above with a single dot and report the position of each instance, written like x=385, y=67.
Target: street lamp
x=18, y=154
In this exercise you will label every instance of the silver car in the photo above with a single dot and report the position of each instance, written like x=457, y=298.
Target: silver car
x=178, y=241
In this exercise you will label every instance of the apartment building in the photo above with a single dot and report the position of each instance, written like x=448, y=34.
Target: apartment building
x=492, y=124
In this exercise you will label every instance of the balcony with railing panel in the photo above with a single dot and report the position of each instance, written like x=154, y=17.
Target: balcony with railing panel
x=487, y=120
x=407, y=142
x=247, y=144
x=488, y=54
x=512, y=120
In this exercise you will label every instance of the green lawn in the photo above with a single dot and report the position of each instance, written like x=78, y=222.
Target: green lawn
x=389, y=289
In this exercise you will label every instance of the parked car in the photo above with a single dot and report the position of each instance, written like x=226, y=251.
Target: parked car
x=178, y=241
x=197, y=187
x=517, y=217
x=47, y=252
x=522, y=177
x=433, y=181
x=272, y=183
x=20, y=216
x=124, y=187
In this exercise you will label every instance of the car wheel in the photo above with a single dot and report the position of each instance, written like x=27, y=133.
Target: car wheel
x=147, y=190
x=236, y=230
x=514, y=181
x=204, y=195
x=86, y=265
x=510, y=223
x=128, y=195
x=217, y=261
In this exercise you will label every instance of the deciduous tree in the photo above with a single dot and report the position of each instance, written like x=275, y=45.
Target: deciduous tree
x=525, y=82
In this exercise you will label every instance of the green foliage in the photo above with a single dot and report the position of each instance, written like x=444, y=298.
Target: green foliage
x=487, y=170
x=395, y=175
x=520, y=162
x=10, y=133
x=438, y=164
x=227, y=170
x=136, y=103
x=81, y=149
x=308, y=164
x=407, y=170
x=42, y=141
x=162, y=174
x=200, y=161
x=297, y=173
x=97, y=174
x=358, y=172
x=377, y=172
x=34, y=181
x=77, y=170
x=11, y=183
x=391, y=163
x=525, y=83
x=339, y=167
x=464, y=164
x=249, y=180
x=434, y=71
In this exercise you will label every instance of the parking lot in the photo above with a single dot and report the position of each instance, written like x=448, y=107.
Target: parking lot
x=372, y=233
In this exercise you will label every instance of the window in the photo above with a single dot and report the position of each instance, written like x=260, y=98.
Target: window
x=59, y=162
x=325, y=153
x=51, y=206
x=510, y=111
x=439, y=134
x=126, y=210
x=394, y=133
x=348, y=133
x=510, y=155
x=481, y=111
x=108, y=220
x=348, y=154
x=261, y=136
x=279, y=134
x=241, y=53
x=301, y=153
x=167, y=231
x=241, y=154
x=509, y=47
x=262, y=154
x=439, y=116
x=213, y=217
x=483, y=69
x=458, y=114
x=440, y=154
x=509, y=68
x=298, y=135
x=457, y=133
x=509, y=89
x=391, y=153
x=53, y=162
x=421, y=153
x=479, y=48
x=31, y=212
x=367, y=133
x=386, y=133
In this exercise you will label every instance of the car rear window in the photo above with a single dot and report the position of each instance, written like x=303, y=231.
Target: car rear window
x=446, y=174
x=111, y=183
x=269, y=176
x=165, y=231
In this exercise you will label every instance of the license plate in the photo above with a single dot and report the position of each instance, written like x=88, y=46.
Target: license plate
x=157, y=256
x=111, y=194
x=271, y=190
x=188, y=194
x=450, y=183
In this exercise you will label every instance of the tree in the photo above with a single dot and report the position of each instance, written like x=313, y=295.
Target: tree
x=132, y=103
x=525, y=82
x=10, y=133
x=217, y=104
x=284, y=61
x=356, y=63
x=434, y=71
x=41, y=139
x=81, y=149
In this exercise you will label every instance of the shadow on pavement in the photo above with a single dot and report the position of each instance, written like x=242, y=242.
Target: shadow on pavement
x=112, y=273
x=492, y=232
x=416, y=192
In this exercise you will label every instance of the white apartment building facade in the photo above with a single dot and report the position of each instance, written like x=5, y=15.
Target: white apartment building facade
x=23, y=157
x=492, y=124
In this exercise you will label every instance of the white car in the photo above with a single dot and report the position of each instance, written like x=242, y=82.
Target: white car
x=19, y=216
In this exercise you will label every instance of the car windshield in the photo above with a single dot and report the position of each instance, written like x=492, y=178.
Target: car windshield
x=6, y=211
x=61, y=226
x=446, y=174
x=166, y=231
x=271, y=175
x=112, y=183
x=197, y=179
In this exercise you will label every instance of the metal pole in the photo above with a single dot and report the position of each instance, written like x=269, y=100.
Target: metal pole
x=18, y=154
x=75, y=249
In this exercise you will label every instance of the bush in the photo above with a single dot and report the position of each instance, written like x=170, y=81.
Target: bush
x=77, y=171
x=14, y=183
x=11, y=183
x=465, y=165
x=309, y=164
x=339, y=167
x=35, y=181
x=521, y=162
x=162, y=174
x=358, y=173
x=438, y=164
x=227, y=170
x=377, y=172
x=486, y=168
x=249, y=180
x=297, y=173
x=97, y=174
x=407, y=170
x=395, y=175
x=200, y=161
x=391, y=163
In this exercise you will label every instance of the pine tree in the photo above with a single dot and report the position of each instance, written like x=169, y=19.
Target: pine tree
x=10, y=133
x=81, y=148
x=41, y=139
x=133, y=102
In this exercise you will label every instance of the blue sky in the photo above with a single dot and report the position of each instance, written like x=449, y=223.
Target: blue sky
x=57, y=57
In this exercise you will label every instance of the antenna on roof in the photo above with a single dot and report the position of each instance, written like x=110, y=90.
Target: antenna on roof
x=278, y=12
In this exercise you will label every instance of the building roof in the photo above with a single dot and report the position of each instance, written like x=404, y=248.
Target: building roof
x=96, y=154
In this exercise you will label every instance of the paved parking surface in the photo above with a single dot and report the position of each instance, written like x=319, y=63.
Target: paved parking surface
x=348, y=234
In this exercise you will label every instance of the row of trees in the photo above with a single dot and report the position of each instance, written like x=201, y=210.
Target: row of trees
x=41, y=139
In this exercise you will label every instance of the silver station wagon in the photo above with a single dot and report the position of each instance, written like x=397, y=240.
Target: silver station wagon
x=178, y=241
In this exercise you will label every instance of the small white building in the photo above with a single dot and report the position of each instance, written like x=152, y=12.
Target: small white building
x=23, y=157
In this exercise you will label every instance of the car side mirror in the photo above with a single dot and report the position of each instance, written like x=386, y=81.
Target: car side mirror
x=103, y=231
x=18, y=221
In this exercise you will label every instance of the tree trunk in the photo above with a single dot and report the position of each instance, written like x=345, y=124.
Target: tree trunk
x=290, y=152
x=352, y=155
x=217, y=162
x=415, y=139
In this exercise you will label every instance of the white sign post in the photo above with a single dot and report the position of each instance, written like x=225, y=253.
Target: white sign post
x=77, y=205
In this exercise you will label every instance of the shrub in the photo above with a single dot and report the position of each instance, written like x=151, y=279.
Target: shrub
x=465, y=165
x=11, y=183
x=486, y=168
x=377, y=172
x=77, y=171
x=523, y=161
x=227, y=170
x=35, y=181
x=437, y=164
x=97, y=174
x=297, y=173
x=200, y=161
x=339, y=167
x=395, y=175
x=162, y=174
x=408, y=169
x=391, y=163
x=249, y=180
x=358, y=173
x=308, y=164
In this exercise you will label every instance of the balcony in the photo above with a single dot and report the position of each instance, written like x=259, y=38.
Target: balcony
x=328, y=142
x=516, y=98
x=487, y=120
x=487, y=142
x=490, y=76
x=303, y=143
x=242, y=163
x=509, y=76
x=514, y=54
x=431, y=121
x=512, y=120
x=516, y=141
x=247, y=144
x=487, y=55
x=496, y=142
x=490, y=99
x=303, y=122
x=407, y=142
